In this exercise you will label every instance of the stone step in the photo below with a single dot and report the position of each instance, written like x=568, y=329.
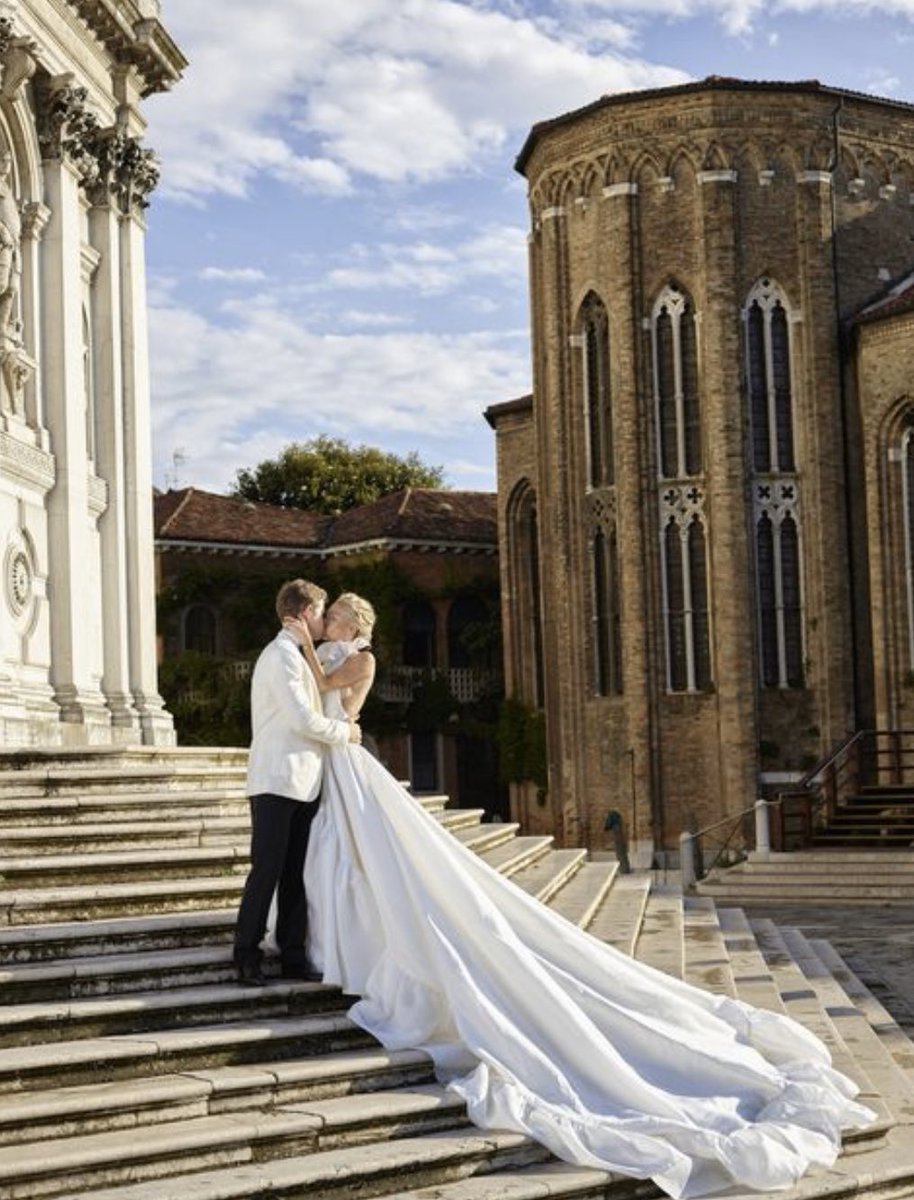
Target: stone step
x=537, y=1182
x=802, y=1003
x=660, y=938
x=51, y=871
x=125, y=836
x=372, y=1170
x=28, y=1024
x=750, y=890
x=881, y=1021
x=618, y=919
x=307, y=1127
x=36, y=783
x=163, y=1052
x=94, y=1108
x=857, y=1035
x=752, y=976
x=820, y=862
x=47, y=811
x=544, y=877
x=116, y=974
x=582, y=896
x=706, y=963
x=480, y=838
x=514, y=853
x=33, y=943
x=88, y=903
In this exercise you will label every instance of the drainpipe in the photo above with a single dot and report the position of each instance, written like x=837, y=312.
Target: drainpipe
x=844, y=404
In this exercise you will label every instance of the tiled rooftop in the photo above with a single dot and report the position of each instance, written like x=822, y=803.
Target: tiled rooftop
x=425, y=515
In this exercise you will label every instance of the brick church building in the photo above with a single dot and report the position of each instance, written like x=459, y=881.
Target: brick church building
x=706, y=507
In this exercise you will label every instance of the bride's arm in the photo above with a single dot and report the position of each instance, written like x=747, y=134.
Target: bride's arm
x=354, y=672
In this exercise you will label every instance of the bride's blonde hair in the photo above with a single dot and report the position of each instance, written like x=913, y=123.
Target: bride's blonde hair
x=361, y=611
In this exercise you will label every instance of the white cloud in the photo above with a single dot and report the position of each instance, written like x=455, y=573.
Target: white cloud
x=317, y=94
x=373, y=320
x=231, y=275
x=235, y=394
x=498, y=252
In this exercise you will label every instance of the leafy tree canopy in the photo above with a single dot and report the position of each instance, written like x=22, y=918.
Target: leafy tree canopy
x=327, y=475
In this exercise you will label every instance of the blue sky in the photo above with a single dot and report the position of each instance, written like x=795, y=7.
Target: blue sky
x=338, y=243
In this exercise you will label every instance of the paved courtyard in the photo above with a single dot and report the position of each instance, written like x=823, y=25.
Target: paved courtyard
x=877, y=942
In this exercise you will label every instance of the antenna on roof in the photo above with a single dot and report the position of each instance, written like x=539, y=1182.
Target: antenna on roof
x=173, y=475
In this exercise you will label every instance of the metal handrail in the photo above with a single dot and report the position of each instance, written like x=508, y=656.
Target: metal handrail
x=688, y=840
x=824, y=763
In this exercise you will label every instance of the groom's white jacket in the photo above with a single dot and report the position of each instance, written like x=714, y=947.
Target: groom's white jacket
x=288, y=726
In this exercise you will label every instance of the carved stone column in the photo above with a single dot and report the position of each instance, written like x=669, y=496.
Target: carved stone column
x=61, y=116
x=110, y=463
x=135, y=176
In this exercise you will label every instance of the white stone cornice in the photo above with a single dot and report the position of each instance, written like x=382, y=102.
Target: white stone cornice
x=28, y=464
x=765, y=177
x=666, y=183
x=577, y=341
x=620, y=189
x=552, y=214
x=814, y=177
x=720, y=176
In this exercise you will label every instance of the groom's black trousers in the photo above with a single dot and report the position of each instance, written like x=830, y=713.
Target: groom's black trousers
x=280, y=828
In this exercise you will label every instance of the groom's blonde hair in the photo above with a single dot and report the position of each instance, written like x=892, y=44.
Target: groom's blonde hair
x=297, y=594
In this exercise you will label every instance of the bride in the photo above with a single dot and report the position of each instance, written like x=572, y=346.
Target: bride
x=540, y=1027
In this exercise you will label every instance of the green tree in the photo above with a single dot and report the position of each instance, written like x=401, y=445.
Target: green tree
x=327, y=475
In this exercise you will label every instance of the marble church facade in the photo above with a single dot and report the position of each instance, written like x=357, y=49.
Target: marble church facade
x=706, y=506
x=77, y=634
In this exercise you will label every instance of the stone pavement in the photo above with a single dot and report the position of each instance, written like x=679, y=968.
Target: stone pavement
x=877, y=943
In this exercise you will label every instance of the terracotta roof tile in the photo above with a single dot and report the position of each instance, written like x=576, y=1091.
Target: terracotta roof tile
x=422, y=514
x=192, y=515
x=414, y=514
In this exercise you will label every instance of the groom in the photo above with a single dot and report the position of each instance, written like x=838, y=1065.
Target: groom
x=283, y=786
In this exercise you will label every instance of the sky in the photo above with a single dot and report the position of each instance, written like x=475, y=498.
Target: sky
x=338, y=241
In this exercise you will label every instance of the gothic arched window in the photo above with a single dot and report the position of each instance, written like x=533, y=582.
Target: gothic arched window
x=674, y=344
x=526, y=630
x=606, y=615
x=775, y=486
x=768, y=370
x=685, y=579
x=597, y=391
x=907, y=517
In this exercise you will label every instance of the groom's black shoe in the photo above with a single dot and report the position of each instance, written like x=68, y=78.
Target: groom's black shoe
x=250, y=975
x=301, y=970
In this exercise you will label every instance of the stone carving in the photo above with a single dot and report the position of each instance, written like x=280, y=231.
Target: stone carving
x=19, y=574
x=30, y=464
x=17, y=60
x=109, y=162
x=60, y=113
x=10, y=250
x=135, y=175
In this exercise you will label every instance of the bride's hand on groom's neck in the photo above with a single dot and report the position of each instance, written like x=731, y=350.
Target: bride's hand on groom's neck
x=299, y=630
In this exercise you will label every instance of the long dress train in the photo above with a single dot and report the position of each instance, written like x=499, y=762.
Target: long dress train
x=542, y=1028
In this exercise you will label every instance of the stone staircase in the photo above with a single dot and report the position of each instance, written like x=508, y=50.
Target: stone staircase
x=818, y=876
x=133, y=1067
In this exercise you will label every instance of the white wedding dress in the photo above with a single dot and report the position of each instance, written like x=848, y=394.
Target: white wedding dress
x=542, y=1028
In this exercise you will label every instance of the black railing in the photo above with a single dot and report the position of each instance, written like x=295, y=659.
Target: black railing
x=870, y=758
